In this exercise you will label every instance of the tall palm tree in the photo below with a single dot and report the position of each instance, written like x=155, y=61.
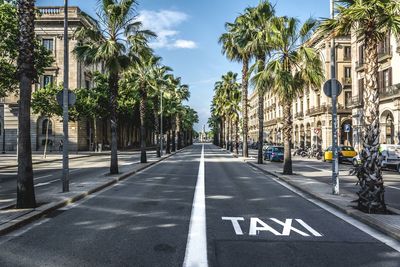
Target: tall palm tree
x=108, y=44
x=233, y=43
x=293, y=66
x=142, y=75
x=26, y=75
x=259, y=25
x=372, y=21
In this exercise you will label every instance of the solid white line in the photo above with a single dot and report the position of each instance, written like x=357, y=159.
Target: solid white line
x=391, y=242
x=196, y=246
x=393, y=187
x=41, y=177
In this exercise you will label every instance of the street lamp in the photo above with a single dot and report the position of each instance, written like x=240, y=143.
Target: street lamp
x=335, y=162
x=65, y=165
x=161, y=123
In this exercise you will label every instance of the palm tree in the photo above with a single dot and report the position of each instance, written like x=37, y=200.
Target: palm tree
x=108, y=44
x=26, y=75
x=293, y=66
x=233, y=43
x=259, y=25
x=372, y=21
x=142, y=75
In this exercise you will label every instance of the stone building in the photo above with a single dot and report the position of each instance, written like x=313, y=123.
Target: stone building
x=49, y=29
x=388, y=85
x=312, y=117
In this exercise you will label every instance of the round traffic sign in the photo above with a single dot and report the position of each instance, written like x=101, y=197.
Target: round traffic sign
x=328, y=87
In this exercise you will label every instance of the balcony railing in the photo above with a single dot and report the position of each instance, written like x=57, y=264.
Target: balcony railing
x=385, y=52
x=390, y=92
x=50, y=10
x=271, y=122
x=356, y=101
x=299, y=115
x=360, y=65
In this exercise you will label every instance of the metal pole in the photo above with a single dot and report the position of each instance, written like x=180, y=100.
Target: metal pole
x=335, y=162
x=4, y=140
x=161, y=124
x=65, y=171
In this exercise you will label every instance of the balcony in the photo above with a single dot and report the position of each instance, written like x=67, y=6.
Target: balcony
x=346, y=81
x=360, y=65
x=271, y=122
x=299, y=115
x=390, y=92
x=384, y=53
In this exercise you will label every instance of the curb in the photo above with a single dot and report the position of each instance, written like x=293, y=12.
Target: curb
x=377, y=225
x=50, y=207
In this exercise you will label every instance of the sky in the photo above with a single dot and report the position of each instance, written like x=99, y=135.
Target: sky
x=188, y=32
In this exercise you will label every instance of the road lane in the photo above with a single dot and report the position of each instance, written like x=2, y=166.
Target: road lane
x=254, y=221
x=142, y=221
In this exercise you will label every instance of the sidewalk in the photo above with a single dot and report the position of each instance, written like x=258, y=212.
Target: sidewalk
x=9, y=160
x=52, y=200
x=387, y=224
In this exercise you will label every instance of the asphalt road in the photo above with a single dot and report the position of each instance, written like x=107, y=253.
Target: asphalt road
x=191, y=210
x=322, y=171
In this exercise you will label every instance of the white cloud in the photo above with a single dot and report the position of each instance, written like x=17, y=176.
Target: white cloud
x=164, y=23
x=185, y=44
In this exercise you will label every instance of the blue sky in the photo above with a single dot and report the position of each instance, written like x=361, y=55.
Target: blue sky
x=188, y=36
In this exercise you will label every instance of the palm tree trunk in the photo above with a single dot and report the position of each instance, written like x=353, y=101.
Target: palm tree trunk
x=25, y=188
x=168, y=145
x=237, y=137
x=227, y=134
x=143, y=98
x=260, y=125
x=231, y=137
x=287, y=135
x=179, y=132
x=157, y=127
x=173, y=139
x=47, y=138
x=371, y=193
x=113, y=83
x=245, y=82
x=221, y=133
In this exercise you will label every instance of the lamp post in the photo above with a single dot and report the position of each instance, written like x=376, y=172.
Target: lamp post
x=65, y=165
x=161, y=124
x=335, y=162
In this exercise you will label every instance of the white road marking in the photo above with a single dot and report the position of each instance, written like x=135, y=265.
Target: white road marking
x=46, y=183
x=235, y=224
x=393, y=187
x=361, y=226
x=129, y=163
x=44, y=176
x=254, y=228
x=196, y=246
x=287, y=227
x=309, y=228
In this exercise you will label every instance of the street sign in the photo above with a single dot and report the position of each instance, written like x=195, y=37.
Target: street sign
x=317, y=130
x=328, y=88
x=71, y=98
x=347, y=128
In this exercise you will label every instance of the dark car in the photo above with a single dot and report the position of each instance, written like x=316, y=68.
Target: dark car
x=274, y=153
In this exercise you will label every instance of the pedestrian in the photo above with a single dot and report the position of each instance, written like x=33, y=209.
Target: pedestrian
x=60, y=145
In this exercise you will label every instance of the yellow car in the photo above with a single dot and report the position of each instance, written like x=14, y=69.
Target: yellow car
x=345, y=153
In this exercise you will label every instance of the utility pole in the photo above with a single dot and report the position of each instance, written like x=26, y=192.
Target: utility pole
x=161, y=124
x=335, y=162
x=65, y=171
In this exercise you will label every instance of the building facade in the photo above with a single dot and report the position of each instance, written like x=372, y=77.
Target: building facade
x=388, y=86
x=312, y=110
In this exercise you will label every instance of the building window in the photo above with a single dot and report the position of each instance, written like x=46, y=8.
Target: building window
x=44, y=126
x=347, y=53
x=347, y=72
x=87, y=84
x=47, y=80
x=385, y=79
x=48, y=44
x=347, y=98
x=318, y=100
x=361, y=54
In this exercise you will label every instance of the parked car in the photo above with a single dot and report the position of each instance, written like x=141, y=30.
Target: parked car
x=390, y=154
x=274, y=153
x=345, y=153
